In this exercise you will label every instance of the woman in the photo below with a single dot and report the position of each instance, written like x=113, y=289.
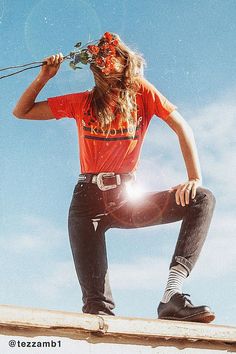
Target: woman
x=112, y=120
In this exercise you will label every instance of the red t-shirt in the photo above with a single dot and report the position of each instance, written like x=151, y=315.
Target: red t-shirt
x=117, y=148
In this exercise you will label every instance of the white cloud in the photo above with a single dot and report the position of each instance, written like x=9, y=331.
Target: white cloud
x=214, y=126
x=217, y=260
x=21, y=243
x=153, y=174
x=59, y=278
x=34, y=234
x=144, y=274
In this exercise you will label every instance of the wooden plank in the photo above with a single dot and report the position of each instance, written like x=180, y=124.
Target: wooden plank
x=12, y=316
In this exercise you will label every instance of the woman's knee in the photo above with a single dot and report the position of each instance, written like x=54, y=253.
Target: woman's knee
x=206, y=195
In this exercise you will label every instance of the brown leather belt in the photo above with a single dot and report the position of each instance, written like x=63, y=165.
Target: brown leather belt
x=105, y=180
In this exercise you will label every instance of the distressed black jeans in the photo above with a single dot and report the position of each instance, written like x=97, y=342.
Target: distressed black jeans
x=93, y=212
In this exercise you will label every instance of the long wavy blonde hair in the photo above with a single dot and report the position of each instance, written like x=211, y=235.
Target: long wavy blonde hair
x=114, y=94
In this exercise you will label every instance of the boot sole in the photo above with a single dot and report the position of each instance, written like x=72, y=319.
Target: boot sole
x=204, y=317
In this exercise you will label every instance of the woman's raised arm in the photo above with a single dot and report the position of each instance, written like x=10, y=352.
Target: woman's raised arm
x=26, y=107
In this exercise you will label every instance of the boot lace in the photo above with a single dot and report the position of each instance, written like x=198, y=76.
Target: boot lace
x=186, y=297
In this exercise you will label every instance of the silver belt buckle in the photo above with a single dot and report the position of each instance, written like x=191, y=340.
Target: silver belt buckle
x=100, y=183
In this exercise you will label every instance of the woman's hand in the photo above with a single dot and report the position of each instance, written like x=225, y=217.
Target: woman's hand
x=51, y=67
x=185, y=191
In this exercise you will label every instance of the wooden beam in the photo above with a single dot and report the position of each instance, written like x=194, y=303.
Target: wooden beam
x=59, y=321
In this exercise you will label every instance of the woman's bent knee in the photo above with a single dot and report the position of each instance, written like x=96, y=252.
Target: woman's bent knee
x=206, y=195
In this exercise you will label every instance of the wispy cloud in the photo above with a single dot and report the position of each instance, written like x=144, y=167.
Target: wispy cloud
x=216, y=261
x=32, y=234
x=57, y=279
x=144, y=274
x=214, y=126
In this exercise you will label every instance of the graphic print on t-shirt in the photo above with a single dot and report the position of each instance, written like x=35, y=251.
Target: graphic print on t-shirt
x=116, y=130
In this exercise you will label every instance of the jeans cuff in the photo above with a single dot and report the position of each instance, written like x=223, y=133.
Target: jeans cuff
x=184, y=262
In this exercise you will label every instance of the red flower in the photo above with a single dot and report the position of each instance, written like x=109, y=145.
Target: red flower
x=112, y=49
x=108, y=36
x=108, y=60
x=106, y=71
x=99, y=61
x=118, y=116
x=93, y=49
x=109, y=66
x=105, y=46
x=115, y=42
x=104, y=53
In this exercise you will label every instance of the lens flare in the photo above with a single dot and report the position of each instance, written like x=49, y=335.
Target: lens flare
x=134, y=191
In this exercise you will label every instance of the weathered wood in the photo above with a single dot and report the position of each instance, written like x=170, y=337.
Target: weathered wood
x=29, y=319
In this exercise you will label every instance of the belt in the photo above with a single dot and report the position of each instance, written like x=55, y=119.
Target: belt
x=105, y=180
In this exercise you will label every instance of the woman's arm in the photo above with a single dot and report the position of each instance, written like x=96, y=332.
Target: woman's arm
x=189, y=151
x=26, y=107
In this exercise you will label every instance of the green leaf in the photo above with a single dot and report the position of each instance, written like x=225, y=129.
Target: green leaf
x=77, y=59
x=84, y=61
x=84, y=55
x=78, y=45
x=72, y=65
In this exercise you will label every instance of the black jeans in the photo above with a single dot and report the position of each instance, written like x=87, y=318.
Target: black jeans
x=92, y=212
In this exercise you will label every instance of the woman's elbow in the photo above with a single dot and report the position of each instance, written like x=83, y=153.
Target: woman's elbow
x=17, y=114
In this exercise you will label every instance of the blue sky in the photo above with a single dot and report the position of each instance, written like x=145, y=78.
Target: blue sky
x=190, y=51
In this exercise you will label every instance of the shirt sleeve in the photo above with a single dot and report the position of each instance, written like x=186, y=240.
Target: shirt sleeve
x=155, y=102
x=69, y=106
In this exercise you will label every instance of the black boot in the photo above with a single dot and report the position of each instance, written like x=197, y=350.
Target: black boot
x=180, y=308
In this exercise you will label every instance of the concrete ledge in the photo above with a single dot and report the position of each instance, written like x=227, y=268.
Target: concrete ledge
x=20, y=321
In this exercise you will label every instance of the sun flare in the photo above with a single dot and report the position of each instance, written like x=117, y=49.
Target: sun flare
x=134, y=191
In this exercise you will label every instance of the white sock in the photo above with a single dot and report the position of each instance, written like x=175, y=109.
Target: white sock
x=177, y=275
